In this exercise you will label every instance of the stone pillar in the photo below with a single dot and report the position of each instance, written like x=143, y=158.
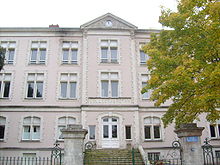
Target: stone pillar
x=74, y=137
x=189, y=134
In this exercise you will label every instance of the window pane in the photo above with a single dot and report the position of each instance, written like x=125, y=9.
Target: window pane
x=36, y=120
x=91, y=131
x=30, y=92
x=60, y=136
x=73, y=90
x=27, y=120
x=0, y=87
x=105, y=131
x=212, y=131
x=39, y=89
x=36, y=132
x=2, y=131
x=113, y=54
x=147, y=132
x=26, y=132
x=114, y=131
x=219, y=130
x=6, y=89
x=114, y=120
x=71, y=120
x=156, y=132
x=42, y=55
x=128, y=132
x=114, y=88
x=148, y=120
x=74, y=56
x=104, y=54
x=63, y=89
x=11, y=55
x=145, y=95
x=104, y=88
x=33, y=55
x=105, y=120
x=2, y=120
x=143, y=57
x=65, y=55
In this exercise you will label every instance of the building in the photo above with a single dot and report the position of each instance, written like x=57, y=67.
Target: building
x=90, y=75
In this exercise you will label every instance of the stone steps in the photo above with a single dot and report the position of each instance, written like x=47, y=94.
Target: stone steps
x=112, y=157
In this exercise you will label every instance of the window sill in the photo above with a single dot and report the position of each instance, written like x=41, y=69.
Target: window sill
x=128, y=140
x=67, y=98
x=23, y=140
x=154, y=140
x=109, y=97
x=36, y=63
x=69, y=63
x=60, y=140
x=215, y=138
x=109, y=63
x=33, y=98
x=4, y=98
x=2, y=140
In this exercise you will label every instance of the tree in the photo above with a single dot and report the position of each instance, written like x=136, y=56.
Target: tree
x=2, y=57
x=185, y=62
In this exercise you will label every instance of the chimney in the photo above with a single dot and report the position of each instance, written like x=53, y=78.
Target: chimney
x=54, y=26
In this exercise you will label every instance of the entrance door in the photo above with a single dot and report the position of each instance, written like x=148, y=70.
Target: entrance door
x=110, y=137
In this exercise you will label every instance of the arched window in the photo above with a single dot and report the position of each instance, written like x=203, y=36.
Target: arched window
x=62, y=123
x=31, y=128
x=152, y=128
x=2, y=127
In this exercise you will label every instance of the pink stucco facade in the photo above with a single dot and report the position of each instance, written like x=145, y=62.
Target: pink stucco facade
x=126, y=110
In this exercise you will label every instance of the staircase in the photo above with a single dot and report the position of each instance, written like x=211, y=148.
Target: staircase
x=113, y=157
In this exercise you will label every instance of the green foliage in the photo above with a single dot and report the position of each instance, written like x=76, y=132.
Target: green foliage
x=185, y=62
x=2, y=57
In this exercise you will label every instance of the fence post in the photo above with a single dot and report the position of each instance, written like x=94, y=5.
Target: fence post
x=133, y=160
x=190, y=141
x=74, y=137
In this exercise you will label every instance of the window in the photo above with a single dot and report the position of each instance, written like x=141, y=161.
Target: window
x=143, y=57
x=152, y=156
x=91, y=132
x=35, y=83
x=144, y=79
x=62, y=123
x=69, y=52
x=38, y=52
x=9, y=47
x=5, y=83
x=68, y=83
x=152, y=128
x=2, y=127
x=217, y=154
x=109, y=84
x=109, y=51
x=31, y=128
x=215, y=130
x=128, y=132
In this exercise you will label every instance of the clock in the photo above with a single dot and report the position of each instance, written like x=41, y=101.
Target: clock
x=108, y=23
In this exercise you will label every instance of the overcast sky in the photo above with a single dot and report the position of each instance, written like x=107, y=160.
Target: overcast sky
x=73, y=13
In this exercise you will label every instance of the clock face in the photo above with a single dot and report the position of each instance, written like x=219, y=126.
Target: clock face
x=108, y=23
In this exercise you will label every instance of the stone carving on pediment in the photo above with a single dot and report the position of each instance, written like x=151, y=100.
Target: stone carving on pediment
x=114, y=24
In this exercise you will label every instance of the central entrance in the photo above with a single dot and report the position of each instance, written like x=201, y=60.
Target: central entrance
x=110, y=133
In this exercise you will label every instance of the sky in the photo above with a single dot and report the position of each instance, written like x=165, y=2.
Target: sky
x=72, y=13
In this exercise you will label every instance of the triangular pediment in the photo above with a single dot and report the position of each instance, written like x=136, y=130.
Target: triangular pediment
x=108, y=21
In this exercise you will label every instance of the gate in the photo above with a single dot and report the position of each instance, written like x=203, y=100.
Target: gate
x=173, y=157
x=56, y=156
x=208, y=155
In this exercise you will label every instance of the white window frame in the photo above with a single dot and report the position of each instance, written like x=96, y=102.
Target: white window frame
x=89, y=130
x=7, y=48
x=108, y=46
x=126, y=132
x=5, y=127
x=151, y=125
x=144, y=79
x=68, y=81
x=2, y=87
x=63, y=125
x=216, y=129
x=35, y=81
x=73, y=45
x=109, y=83
x=38, y=48
x=31, y=125
x=146, y=56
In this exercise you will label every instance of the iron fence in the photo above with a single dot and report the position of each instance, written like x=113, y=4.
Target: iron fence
x=29, y=161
